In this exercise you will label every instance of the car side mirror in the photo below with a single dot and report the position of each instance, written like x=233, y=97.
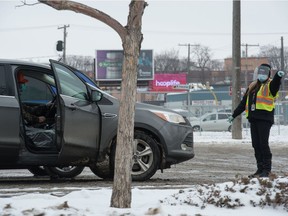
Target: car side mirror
x=96, y=95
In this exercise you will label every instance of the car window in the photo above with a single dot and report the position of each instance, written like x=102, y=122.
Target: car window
x=36, y=91
x=210, y=117
x=3, y=87
x=222, y=116
x=70, y=84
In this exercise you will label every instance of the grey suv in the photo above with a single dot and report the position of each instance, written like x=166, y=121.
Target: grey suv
x=83, y=126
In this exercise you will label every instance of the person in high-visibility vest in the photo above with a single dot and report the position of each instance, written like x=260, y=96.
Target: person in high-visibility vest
x=259, y=103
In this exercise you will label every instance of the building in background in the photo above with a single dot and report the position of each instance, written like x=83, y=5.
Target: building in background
x=248, y=66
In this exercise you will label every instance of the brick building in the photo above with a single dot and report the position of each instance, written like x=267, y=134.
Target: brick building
x=248, y=66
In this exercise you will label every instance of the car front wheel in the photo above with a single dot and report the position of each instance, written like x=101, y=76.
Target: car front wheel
x=65, y=171
x=38, y=171
x=145, y=159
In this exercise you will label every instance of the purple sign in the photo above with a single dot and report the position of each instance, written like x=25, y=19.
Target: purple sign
x=109, y=65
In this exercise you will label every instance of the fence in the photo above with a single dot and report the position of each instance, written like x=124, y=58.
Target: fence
x=201, y=102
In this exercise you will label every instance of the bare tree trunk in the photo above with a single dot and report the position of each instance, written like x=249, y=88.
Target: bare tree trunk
x=131, y=37
x=121, y=195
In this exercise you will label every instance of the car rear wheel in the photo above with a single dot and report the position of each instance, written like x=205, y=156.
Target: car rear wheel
x=65, y=171
x=38, y=171
x=197, y=128
x=145, y=159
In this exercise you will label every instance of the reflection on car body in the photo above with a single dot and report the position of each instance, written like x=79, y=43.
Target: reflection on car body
x=84, y=127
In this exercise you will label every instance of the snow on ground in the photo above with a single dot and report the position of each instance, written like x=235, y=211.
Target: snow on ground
x=278, y=136
x=265, y=196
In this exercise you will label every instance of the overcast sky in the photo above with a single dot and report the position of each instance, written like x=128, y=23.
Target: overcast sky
x=31, y=32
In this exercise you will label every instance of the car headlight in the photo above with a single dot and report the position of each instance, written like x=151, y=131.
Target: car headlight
x=169, y=116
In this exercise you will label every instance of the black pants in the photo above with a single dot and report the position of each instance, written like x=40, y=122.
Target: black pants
x=260, y=131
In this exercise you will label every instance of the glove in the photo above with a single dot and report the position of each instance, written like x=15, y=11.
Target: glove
x=230, y=119
x=281, y=73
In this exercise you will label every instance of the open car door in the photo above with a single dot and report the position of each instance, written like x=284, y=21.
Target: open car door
x=79, y=117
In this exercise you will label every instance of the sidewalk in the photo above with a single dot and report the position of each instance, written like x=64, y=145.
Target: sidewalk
x=278, y=136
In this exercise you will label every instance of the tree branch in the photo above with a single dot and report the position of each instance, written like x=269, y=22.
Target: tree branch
x=28, y=4
x=89, y=11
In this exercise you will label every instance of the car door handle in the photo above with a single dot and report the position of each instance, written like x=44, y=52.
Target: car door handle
x=72, y=107
x=109, y=115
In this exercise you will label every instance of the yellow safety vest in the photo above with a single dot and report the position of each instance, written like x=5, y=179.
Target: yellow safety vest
x=264, y=99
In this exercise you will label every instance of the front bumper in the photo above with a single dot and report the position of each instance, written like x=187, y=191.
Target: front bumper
x=178, y=143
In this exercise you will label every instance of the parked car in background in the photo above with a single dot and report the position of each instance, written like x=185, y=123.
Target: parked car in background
x=279, y=119
x=226, y=110
x=215, y=121
x=245, y=123
x=83, y=129
x=185, y=113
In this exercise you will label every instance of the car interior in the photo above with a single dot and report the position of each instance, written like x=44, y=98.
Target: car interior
x=38, y=99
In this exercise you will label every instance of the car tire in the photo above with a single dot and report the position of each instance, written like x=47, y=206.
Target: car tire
x=38, y=171
x=64, y=172
x=146, y=158
x=103, y=169
x=230, y=128
x=149, y=161
x=197, y=128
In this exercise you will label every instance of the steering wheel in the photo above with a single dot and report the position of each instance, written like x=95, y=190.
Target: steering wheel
x=52, y=109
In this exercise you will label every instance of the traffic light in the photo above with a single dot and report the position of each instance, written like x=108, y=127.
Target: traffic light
x=59, y=46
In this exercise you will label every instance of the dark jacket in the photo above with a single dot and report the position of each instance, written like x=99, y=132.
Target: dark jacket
x=31, y=114
x=258, y=114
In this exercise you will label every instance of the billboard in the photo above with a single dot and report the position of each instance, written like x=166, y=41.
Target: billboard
x=166, y=82
x=109, y=65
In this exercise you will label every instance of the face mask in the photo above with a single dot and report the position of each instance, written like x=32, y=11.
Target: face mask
x=262, y=78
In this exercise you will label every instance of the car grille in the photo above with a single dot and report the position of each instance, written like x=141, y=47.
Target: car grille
x=189, y=140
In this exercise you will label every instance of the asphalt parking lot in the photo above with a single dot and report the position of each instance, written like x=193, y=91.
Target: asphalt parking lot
x=213, y=163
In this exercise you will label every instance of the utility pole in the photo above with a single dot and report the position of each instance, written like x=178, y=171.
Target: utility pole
x=64, y=41
x=246, y=56
x=188, y=72
x=236, y=57
x=188, y=61
x=283, y=82
x=282, y=55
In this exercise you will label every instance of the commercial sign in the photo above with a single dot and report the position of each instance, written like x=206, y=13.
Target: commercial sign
x=182, y=86
x=166, y=82
x=109, y=65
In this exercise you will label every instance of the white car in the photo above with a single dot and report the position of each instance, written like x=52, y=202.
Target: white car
x=216, y=121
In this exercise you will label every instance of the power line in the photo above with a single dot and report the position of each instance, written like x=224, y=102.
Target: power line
x=148, y=31
x=26, y=28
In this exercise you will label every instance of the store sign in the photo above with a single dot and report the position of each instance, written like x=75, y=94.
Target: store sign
x=109, y=65
x=182, y=86
x=166, y=82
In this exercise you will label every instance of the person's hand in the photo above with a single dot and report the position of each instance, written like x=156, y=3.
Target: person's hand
x=230, y=119
x=41, y=119
x=281, y=73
